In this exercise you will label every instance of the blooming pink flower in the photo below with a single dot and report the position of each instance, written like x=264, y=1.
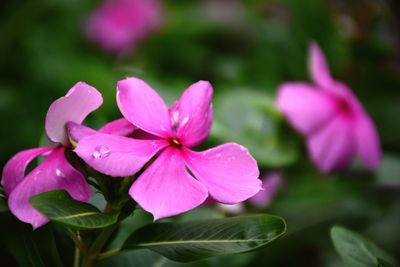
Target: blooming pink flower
x=55, y=172
x=228, y=173
x=271, y=184
x=117, y=25
x=336, y=125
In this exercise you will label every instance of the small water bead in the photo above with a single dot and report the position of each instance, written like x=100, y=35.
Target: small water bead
x=101, y=152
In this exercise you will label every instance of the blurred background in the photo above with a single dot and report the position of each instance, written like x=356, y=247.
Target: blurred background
x=245, y=49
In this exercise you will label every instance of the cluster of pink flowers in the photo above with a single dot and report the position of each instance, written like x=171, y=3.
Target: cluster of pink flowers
x=179, y=179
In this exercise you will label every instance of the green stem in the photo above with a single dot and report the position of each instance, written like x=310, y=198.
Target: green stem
x=77, y=256
x=109, y=253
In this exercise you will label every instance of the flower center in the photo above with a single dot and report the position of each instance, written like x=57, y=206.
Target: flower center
x=174, y=142
x=344, y=106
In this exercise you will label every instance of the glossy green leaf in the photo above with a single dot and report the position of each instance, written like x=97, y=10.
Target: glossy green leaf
x=356, y=251
x=59, y=207
x=188, y=241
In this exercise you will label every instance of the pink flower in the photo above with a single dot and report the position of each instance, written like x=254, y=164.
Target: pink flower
x=271, y=184
x=334, y=122
x=118, y=25
x=55, y=172
x=228, y=173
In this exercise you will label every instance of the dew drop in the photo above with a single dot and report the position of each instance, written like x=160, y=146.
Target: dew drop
x=218, y=155
x=101, y=152
x=58, y=172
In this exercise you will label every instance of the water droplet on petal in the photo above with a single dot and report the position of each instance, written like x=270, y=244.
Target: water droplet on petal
x=101, y=152
x=218, y=155
x=59, y=172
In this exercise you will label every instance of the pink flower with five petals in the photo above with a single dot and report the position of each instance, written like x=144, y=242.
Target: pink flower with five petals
x=179, y=179
x=55, y=172
x=334, y=122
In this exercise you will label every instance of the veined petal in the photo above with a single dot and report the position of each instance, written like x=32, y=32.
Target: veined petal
x=166, y=188
x=368, y=144
x=228, y=171
x=192, y=114
x=306, y=108
x=14, y=170
x=117, y=156
x=319, y=68
x=120, y=127
x=53, y=174
x=333, y=147
x=80, y=100
x=143, y=107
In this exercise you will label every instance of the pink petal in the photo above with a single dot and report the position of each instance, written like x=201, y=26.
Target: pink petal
x=143, y=107
x=192, y=115
x=14, y=170
x=228, y=171
x=78, y=131
x=120, y=127
x=166, y=188
x=117, y=155
x=80, y=100
x=369, y=148
x=306, y=108
x=333, y=147
x=271, y=185
x=319, y=68
x=53, y=174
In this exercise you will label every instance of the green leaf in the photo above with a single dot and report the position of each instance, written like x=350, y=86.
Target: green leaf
x=59, y=207
x=356, y=251
x=188, y=241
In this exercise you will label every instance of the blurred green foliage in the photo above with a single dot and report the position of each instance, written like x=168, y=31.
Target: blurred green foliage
x=246, y=49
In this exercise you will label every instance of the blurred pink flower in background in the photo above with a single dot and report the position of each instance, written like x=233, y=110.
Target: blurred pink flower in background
x=118, y=25
x=336, y=125
x=271, y=185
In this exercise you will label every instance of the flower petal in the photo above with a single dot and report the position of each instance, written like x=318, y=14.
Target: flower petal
x=369, y=148
x=192, y=114
x=333, y=147
x=143, y=107
x=80, y=100
x=52, y=174
x=14, y=170
x=228, y=171
x=166, y=188
x=120, y=127
x=271, y=185
x=117, y=155
x=306, y=108
x=77, y=131
x=319, y=68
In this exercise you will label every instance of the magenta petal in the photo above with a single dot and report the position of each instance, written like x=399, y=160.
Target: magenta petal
x=14, y=170
x=117, y=155
x=369, y=148
x=78, y=131
x=166, y=188
x=53, y=174
x=271, y=185
x=143, y=107
x=228, y=171
x=80, y=100
x=306, y=108
x=319, y=68
x=192, y=114
x=120, y=127
x=333, y=147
